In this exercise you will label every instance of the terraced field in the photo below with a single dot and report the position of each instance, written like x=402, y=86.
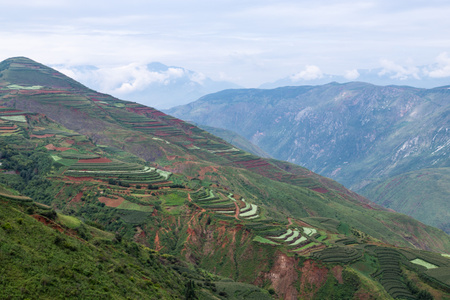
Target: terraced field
x=390, y=273
x=338, y=254
x=104, y=169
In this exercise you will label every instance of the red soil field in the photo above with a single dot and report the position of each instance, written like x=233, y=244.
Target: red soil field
x=8, y=127
x=156, y=126
x=95, y=160
x=41, y=136
x=77, y=198
x=5, y=112
x=111, y=202
x=320, y=190
x=80, y=178
x=54, y=148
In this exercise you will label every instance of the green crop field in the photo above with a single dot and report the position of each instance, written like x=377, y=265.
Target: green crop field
x=19, y=87
x=283, y=236
x=423, y=263
x=69, y=221
x=260, y=239
x=173, y=199
x=19, y=118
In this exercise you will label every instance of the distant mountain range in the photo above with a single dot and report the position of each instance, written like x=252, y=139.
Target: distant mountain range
x=400, y=76
x=161, y=86
x=356, y=133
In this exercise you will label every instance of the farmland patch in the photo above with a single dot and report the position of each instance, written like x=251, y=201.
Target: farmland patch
x=423, y=263
x=19, y=118
x=111, y=202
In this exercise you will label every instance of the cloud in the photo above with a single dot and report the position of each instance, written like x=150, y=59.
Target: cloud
x=127, y=79
x=310, y=72
x=441, y=69
x=396, y=71
x=197, y=77
x=351, y=74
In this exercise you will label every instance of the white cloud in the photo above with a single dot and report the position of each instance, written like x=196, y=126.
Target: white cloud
x=351, y=74
x=397, y=71
x=310, y=72
x=127, y=79
x=442, y=69
x=197, y=77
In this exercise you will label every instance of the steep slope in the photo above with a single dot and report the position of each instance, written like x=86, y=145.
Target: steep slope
x=47, y=255
x=423, y=194
x=175, y=188
x=354, y=133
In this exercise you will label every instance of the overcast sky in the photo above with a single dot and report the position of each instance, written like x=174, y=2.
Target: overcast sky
x=247, y=42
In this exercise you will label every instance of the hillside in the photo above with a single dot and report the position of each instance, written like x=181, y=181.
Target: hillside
x=355, y=133
x=422, y=194
x=54, y=256
x=235, y=139
x=179, y=190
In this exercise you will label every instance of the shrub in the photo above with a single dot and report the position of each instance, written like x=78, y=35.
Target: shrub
x=7, y=227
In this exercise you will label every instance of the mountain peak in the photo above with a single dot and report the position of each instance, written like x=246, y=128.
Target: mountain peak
x=25, y=71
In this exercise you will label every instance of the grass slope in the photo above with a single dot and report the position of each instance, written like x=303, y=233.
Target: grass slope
x=422, y=194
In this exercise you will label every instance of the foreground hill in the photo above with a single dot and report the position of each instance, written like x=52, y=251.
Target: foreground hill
x=172, y=187
x=355, y=133
x=53, y=256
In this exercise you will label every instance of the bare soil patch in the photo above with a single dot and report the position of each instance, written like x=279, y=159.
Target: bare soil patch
x=111, y=202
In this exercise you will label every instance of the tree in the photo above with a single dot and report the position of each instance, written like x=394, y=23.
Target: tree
x=190, y=291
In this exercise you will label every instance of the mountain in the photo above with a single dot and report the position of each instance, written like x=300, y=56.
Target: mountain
x=355, y=133
x=167, y=185
x=389, y=75
x=153, y=84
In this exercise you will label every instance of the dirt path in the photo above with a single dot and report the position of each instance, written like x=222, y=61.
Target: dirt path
x=290, y=222
x=238, y=210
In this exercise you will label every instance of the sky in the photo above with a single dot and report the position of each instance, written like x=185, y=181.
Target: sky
x=245, y=42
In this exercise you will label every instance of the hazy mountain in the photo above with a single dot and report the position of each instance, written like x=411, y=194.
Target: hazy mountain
x=154, y=84
x=397, y=75
x=355, y=133
x=174, y=195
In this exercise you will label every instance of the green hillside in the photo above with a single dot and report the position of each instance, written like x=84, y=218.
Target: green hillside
x=156, y=182
x=422, y=194
x=45, y=255
x=235, y=139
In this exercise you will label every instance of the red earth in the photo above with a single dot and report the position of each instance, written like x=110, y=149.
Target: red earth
x=110, y=202
x=95, y=160
x=41, y=136
x=54, y=148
